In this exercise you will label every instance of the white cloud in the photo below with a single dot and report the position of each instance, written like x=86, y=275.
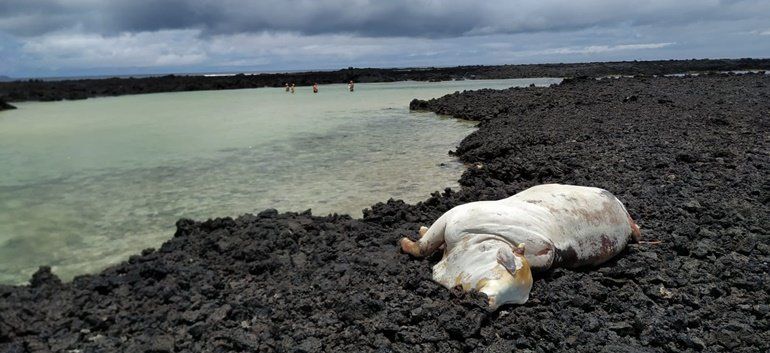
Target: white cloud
x=370, y=18
x=144, y=49
x=595, y=49
x=191, y=51
x=80, y=51
x=182, y=48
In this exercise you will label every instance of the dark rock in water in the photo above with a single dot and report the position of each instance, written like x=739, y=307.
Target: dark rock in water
x=5, y=106
x=418, y=104
x=268, y=213
x=297, y=282
x=44, y=277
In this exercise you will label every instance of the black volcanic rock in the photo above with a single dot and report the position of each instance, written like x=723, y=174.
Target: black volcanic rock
x=44, y=277
x=417, y=104
x=5, y=106
x=278, y=282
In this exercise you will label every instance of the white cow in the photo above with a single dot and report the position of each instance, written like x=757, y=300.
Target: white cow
x=492, y=246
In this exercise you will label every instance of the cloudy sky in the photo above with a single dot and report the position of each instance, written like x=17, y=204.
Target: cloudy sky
x=41, y=38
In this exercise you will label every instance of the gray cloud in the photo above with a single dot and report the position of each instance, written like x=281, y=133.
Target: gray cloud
x=373, y=18
x=29, y=18
x=79, y=37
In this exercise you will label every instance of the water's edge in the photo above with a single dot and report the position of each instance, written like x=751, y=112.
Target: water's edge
x=163, y=181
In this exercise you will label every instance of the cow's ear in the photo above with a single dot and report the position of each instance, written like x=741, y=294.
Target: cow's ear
x=507, y=258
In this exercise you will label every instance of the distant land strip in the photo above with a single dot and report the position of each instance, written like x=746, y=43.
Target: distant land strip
x=39, y=90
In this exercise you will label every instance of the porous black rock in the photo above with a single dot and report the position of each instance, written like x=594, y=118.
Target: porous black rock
x=5, y=106
x=44, y=277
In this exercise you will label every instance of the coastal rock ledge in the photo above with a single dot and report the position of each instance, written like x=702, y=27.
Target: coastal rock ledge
x=5, y=106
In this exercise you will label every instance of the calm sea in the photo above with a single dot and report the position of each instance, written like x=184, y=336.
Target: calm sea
x=85, y=184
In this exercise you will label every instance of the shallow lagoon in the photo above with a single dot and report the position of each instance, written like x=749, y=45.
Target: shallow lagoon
x=85, y=184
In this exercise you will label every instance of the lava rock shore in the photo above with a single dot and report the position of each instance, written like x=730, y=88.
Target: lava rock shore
x=5, y=106
x=688, y=156
x=39, y=90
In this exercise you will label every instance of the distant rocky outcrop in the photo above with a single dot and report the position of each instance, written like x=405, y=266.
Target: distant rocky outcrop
x=418, y=104
x=5, y=106
x=40, y=90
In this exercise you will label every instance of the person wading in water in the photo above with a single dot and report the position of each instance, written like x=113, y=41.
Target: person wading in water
x=315, y=88
x=287, y=87
x=292, y=88
x=351, y=86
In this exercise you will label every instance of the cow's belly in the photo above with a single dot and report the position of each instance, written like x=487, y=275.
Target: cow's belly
x=502, y=223
x=590, y=225
x=560, y=225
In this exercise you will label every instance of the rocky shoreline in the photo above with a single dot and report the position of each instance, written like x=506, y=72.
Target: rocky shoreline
x=688, y=156
x=37, y=90
x=5, y=106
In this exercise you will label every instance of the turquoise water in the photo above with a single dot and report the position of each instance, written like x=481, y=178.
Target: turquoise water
x=85, y=184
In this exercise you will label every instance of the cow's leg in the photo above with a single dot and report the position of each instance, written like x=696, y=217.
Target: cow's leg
x=430, y=239
x=636, y=235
